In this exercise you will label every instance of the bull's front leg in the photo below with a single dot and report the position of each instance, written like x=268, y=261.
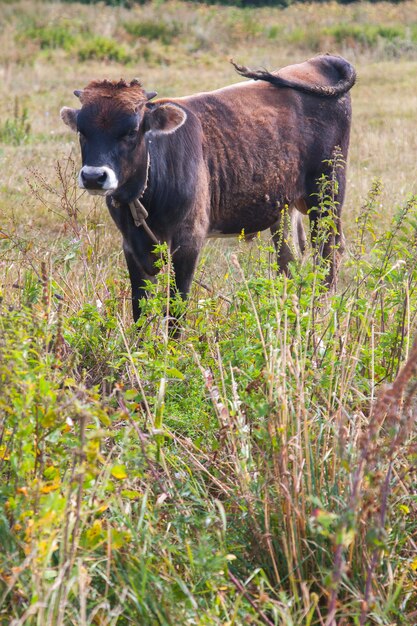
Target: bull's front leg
x=184, y=259
x=138, y=278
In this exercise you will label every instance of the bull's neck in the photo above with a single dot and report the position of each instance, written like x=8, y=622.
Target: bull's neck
x=137, y=184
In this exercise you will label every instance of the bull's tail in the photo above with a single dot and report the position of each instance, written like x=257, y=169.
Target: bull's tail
x=346, y=72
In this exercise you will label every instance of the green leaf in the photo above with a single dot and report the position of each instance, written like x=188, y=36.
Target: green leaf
x=172, y=372
x=119, y=472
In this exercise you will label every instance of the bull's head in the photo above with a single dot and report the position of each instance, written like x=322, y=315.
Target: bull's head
x=113, y=123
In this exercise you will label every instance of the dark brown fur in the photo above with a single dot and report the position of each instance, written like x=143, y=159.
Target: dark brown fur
x=243, y=153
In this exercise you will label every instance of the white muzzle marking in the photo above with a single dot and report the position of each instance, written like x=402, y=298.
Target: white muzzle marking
x=110, y=184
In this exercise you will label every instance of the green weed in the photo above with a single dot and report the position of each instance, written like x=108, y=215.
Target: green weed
x=16, y=130
x=153, y=30
x=103, y=49
x=147, y=478
x=365, y=34
x=49, y=37
x=273, y=32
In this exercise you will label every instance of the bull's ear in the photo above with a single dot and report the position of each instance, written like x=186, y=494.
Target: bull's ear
x=165, y=118
x=69, y=117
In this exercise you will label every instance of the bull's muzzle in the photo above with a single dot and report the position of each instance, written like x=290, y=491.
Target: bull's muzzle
x=98, y=180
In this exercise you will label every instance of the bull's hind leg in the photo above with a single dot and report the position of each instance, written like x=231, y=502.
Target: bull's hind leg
x=298, y=226
x=324, y=206
x=288, y=228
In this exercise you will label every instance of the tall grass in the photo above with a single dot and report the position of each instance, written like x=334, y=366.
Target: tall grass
x=259, y=471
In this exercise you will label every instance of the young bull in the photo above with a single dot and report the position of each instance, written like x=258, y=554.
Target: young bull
x=180, y=170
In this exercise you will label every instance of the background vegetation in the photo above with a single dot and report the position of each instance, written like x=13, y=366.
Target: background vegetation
x=261, y=470
x=236, y=3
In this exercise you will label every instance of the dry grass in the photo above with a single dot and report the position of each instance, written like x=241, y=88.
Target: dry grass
x=248, y=474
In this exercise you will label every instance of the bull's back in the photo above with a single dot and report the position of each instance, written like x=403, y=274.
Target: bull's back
x=261, y=143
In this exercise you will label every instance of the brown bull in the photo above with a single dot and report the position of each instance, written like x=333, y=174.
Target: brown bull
x=214, y=163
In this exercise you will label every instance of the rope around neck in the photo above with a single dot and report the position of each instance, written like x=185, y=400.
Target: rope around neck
x=138, y=211
x=140, y=215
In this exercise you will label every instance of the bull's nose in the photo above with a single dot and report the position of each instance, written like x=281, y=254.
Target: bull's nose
x=93, y=177
x=98, y=179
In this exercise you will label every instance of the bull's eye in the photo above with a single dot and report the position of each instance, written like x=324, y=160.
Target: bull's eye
x=81, y=137
x=130, y=135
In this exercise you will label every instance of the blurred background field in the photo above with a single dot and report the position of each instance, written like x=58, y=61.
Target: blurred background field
x=243, y=474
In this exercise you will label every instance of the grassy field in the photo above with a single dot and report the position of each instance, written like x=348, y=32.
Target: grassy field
x=262, y=469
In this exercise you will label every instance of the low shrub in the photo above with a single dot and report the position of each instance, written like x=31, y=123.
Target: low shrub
x=153, y=30
x=49, y=37
x=103, y=49
x=16, y=130
x=364, y=34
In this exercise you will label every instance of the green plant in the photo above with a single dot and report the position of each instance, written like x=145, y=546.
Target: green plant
x=16, y=130
x=246, y=469
x=103, y=49
x=365, y=34
x=165, y=32
x=49, y=37
x=275, y=31
x=308, y=365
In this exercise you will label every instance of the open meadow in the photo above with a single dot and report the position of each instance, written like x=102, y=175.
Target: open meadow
x=262, y=468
